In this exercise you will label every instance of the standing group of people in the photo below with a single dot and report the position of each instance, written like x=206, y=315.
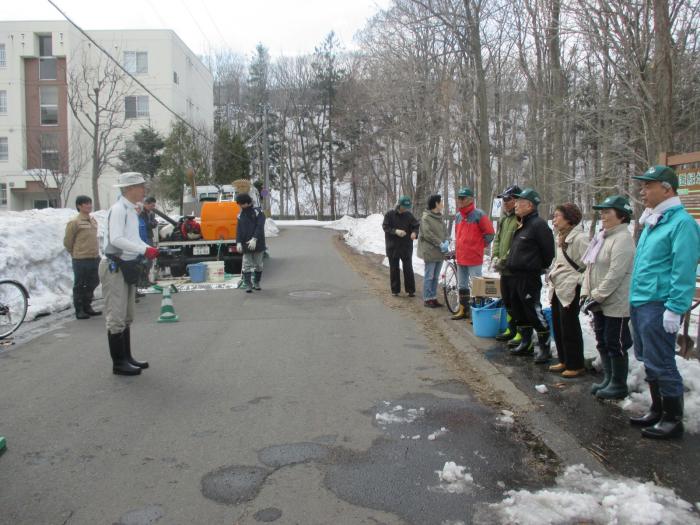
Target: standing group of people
x=129, y=252
x=636, y=295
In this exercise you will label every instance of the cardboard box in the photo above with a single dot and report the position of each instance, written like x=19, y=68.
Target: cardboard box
x=486, y=287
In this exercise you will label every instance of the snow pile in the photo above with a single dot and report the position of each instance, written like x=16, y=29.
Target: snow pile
x=365, y=235
x=398, y=415
x=639, y=399
x=453, y=478
x=271, y=229
x=584, y=497
x=31, y=244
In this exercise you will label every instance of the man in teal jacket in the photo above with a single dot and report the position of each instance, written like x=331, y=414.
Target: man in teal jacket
x=662, y=289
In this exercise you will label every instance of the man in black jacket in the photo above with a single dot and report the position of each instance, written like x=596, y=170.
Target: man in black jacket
x=531, y=253
x=250, y=241
x=400, y=230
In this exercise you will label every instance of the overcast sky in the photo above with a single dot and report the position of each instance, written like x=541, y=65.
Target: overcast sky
x=288, y=27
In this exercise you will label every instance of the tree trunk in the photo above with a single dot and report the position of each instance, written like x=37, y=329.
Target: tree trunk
x=663, y=78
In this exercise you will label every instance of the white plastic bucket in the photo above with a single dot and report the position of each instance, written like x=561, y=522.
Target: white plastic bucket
x=215, y=271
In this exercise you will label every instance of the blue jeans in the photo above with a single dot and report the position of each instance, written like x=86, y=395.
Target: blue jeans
x=464, y=273
x=656, y=348
x=430, y=279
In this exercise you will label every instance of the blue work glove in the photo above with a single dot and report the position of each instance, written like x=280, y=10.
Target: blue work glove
x=445, y=246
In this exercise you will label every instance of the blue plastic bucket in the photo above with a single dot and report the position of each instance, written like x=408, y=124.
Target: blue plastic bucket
x=547, y=312
x=198, y=272
x=487, y=321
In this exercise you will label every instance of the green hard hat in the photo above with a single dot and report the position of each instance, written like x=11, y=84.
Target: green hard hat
x=617, y=202
x=530, y=195
x=660, y=174
x=465, y=192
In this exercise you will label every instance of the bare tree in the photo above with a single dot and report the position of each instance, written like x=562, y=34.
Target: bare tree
x=97, y=89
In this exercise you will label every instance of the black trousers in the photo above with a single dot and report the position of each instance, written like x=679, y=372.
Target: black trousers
x=524, y=297
x=567, y=332
x=612, y=334
x=507, y=284
x=85, y=279
x=409, y=279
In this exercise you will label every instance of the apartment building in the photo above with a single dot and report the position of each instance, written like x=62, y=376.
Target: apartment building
x=40, y=138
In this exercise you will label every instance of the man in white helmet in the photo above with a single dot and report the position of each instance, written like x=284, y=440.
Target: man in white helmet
x=120, y=269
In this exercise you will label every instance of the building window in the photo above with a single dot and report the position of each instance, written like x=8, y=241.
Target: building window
x=4, y=149
x=40, y=204
x=3, y=56
x=176, y=80
x=48, y=99
x=3, y=194
x=47, y=62
x=3, y=101
x=136, y=62
x=136, y=107
x=49, y=151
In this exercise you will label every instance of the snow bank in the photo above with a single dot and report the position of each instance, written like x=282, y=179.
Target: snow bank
x=31, y=244
x=584, y=497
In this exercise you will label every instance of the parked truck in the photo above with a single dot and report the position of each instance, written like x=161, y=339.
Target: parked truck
x=218, y=219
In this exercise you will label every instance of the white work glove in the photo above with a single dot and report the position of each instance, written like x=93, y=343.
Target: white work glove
x=252, y=243
x=672, y=322
x=239, y=248
x=400, y=233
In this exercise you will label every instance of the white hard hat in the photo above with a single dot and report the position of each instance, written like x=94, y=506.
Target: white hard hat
x=130, y=178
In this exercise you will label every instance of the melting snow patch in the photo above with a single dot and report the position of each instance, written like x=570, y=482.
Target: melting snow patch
x=453, y=479
x=398, y=415
x=437, y=434
x=506, y=417
x=582, y=496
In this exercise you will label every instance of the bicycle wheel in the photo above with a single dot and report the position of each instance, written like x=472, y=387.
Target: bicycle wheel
x=13, y=307
x=450, y=288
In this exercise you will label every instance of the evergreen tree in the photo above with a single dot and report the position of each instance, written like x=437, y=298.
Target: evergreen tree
x=181, y=152
x=144, y=153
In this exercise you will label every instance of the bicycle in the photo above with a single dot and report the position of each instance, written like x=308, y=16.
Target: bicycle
x=14, y=300
x=450, y=286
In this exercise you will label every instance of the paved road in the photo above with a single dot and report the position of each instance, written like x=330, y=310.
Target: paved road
x=257, y=408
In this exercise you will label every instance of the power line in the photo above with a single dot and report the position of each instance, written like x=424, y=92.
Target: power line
x=141, y=84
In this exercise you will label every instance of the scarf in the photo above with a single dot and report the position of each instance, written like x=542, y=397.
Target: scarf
x=594, y=247
x=562, y=235
x=652, y=216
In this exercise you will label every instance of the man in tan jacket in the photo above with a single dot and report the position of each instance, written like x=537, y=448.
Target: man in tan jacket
x=81, y=242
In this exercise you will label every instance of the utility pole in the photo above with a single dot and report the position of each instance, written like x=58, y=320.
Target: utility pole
x=266, y=167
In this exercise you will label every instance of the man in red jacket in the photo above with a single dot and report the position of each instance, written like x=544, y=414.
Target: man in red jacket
x=473, y=232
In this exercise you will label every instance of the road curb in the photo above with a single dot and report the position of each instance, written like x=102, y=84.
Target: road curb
x=558, y=440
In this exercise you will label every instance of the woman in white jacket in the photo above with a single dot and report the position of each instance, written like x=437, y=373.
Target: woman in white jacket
x=605, y=294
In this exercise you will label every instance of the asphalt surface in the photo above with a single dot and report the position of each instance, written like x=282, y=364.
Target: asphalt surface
x=257, y=408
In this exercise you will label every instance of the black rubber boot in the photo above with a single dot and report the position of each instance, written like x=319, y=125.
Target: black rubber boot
x=256, y=280
x=617, y=387
x=87, y=306
x=654, y=414
x=671, y=423
x=80, y=308
x=463, y=306
x=120, y=364
x=509, y=332
x=526, y=343
x=127, y=349
x=247, y=279
x=544, y=351
x=468, y=306
x=607, y=374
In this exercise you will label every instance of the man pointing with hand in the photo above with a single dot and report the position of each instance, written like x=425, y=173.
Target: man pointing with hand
x=120, y=270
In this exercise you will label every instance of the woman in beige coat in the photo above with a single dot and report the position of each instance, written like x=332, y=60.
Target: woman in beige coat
x=606, y=288
x=565, y=279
